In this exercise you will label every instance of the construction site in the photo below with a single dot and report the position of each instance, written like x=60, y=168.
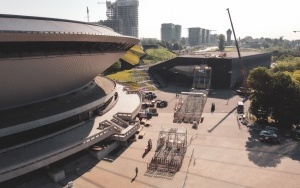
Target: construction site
x=169, y=153
x=190, y=107
x=122, y=17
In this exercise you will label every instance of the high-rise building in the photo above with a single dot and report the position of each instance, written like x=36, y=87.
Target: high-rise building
x=177, y=33
x=207, y=36
x=170, y=32
x=213, y=39
x=167, y=32
x=122, y=17
x=203, y=37
x=194, y=36
x=228, y=32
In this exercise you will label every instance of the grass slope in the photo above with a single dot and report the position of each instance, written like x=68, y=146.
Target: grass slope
x=133, y=55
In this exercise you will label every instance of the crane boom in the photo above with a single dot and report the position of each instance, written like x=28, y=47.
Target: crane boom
x=245, y=90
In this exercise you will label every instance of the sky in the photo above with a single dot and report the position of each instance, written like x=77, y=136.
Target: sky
x=255, y=18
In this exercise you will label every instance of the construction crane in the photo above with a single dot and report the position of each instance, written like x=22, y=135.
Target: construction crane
x=244, y=90
x=88, y=14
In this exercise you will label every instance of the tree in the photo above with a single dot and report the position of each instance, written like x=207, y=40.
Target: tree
x=260, y=81
x=169, y=45
x=176, y=46
x=182, y=40
x=276, y=95
x=284, y=99
x=221, y=40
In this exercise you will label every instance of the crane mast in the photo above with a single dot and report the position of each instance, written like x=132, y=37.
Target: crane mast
x=245, y=90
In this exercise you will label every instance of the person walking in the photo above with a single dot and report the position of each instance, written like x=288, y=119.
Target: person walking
x=136, y=171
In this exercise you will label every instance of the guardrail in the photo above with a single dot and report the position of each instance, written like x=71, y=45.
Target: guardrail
x=125, y=136
x=41, y=139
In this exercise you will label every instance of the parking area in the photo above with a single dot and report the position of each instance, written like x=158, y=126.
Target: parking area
x=220, y=153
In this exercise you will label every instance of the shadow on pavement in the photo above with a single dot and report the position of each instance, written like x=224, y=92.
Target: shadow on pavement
x=223, y=119
x=222, y=94
x=116, y=153
x=269, y=154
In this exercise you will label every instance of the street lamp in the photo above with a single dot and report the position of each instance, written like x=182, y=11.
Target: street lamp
x=176, y=73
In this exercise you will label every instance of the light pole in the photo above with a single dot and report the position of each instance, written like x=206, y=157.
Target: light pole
x=176, y=73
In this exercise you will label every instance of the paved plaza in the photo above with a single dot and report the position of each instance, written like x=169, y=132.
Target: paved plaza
x=220, y=153
x=227, y=156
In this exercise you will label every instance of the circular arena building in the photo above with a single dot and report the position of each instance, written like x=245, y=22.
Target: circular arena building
x=52, y=98
x=43, y=58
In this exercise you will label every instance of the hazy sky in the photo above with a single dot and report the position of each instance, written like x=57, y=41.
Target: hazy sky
x=256, y=18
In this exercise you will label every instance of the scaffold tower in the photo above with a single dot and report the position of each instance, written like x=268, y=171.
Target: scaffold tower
x=122, y=17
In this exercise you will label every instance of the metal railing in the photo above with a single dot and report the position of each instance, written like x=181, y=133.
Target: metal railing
x=46, y=159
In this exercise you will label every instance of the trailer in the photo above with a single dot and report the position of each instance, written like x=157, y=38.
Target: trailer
x=141, y=134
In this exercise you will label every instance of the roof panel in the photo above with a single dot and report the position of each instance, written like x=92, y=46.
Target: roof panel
x=23, y=24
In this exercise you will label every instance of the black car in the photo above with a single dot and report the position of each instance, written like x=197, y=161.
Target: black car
x=161, y=104
x=297, y=135
x=271, y=140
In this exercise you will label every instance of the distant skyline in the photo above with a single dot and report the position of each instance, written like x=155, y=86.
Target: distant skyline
x=255, y=18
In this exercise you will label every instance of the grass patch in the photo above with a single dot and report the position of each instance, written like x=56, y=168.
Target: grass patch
x=133, y=55
x=123, y=76
x=127, y=79
x=159, y=54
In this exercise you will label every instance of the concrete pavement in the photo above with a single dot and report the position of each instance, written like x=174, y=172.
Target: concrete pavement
x=228, y=156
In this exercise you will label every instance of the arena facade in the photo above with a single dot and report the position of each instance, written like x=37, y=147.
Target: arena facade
x=53, y=103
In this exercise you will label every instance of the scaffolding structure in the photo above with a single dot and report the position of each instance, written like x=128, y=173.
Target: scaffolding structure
x=189, y=109
x=202, y=77
x=122, y=17
x=170, y=151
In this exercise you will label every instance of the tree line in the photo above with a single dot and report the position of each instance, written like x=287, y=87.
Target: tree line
x=275, y=94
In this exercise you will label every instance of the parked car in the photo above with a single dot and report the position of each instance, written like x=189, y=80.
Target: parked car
x=272, y=140
x=271, y=129
x=297, y=135
x=161, y=104
x=269, y=134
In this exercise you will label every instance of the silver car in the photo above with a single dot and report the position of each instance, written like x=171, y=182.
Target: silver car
x=269, y=134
